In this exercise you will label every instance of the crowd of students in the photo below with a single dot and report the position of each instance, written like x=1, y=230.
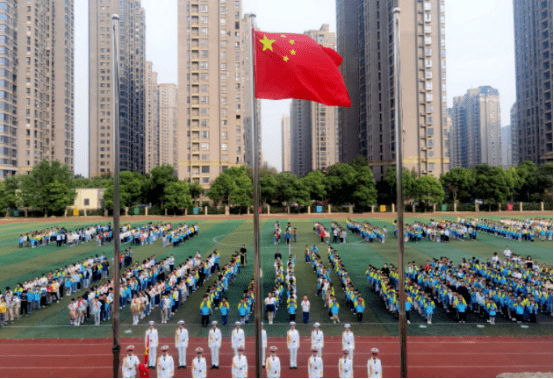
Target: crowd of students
x=214, y=298
x=36, y=294
x=353, y=297
x=367, y=231
x=519, y=291
x=290, y=233
x=62, y=236
x=520, y=230
x=436, y=231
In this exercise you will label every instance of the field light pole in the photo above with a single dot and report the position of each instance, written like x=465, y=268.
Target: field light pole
x=116, y=348
x=400, y=199
x=256, y=203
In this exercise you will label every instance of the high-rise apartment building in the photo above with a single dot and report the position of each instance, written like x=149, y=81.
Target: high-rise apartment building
x=533, y=61
x=314, y=129
x=132, y=65
x=212, y=95
x=152, y=118
x=285, y=143
x=476, y=128
x=168, y=124
x=37, y=75
x=514, y=137
x=506, y=144
x=423, y=72
x=351, y=46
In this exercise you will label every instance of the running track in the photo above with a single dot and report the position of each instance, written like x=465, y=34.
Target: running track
x=427, y=356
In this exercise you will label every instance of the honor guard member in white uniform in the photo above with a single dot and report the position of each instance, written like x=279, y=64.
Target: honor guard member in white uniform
x=199, y=365
x=181, y=343
x=346, y=368
x=240, y=364
x=273, y=364
x=317, y=339
x=214, y=342
x=264, y=344
x=151, y=337
x=130, y=363
x=374, y=369
x=293, y=343
x=315, y=365
x=165, y=366
x=348, y=341
x=237, y=337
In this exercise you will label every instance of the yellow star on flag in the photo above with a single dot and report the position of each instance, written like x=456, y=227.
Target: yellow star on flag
x=291, y=42
x=267, y=43
x=293, y=52
x=283, y=36
x=285, y=58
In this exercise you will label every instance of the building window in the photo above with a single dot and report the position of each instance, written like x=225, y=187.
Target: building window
x=205, y=169
x=206, y=180
x=224, y=146
x=86, y=202
x=205, y=146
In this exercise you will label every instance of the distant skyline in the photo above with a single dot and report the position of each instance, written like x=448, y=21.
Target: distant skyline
x=479, y=48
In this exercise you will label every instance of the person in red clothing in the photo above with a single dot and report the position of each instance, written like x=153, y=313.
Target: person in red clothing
x=322, y=235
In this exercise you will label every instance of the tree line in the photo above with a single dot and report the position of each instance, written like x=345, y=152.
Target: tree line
x=51, y=187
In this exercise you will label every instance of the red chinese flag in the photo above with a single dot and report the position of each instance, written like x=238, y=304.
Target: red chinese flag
x=295, y=66
x=147, y=351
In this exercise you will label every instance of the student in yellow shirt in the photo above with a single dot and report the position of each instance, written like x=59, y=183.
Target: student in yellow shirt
x=3, y=310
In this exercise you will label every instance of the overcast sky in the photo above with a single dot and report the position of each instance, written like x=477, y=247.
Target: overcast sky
x=479, y=51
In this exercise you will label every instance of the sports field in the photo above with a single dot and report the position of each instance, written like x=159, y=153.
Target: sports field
x=227, y=236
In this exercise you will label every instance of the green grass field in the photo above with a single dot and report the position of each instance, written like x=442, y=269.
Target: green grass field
x=227, y=236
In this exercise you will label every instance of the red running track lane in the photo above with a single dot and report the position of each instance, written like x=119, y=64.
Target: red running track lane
x=427, y=356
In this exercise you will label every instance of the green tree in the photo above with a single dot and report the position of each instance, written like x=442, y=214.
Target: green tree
x=365, y=189
x=160, y=178
x=341, y=181
x=429, y=190
x=301, y=194
x=195, y=191
x=527, y=172
x=131, y=190
x=314, y=183
x=48, y=186
x=95, y=182
x=220, y=190
x=513, y=181
x=232, y=186
x=177, y=195
x=12, y=196
x=458, y=180
x=3, y=198
x=285, y=190
x=490, y=184
x=268, y=184
x=544, y=181
x=408, y=183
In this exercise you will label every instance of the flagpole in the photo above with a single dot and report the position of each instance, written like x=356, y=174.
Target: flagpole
x=116, y=348
x=256, y=202
x=400, y=200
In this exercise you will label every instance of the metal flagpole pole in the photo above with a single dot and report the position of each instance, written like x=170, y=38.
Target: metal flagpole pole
x=400, y=199
x=256, y=201
x=116, y=348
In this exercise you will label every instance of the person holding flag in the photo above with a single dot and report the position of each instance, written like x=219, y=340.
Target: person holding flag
x=165, y=366
x=130, y=363
x=315, y=365
x=346, y=368
x=151, y=341
x=272, y=364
